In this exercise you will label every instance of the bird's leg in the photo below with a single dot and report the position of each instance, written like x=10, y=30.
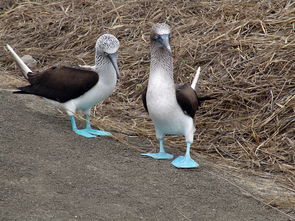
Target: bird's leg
x=185, y=161
x=77, y=131
x=88, y=129
x=161, y=155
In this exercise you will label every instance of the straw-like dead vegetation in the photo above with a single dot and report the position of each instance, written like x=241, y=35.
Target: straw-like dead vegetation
x=246, y=50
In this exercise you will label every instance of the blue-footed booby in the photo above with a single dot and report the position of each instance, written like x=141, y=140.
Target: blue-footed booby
x=75, y=88
x=171, y=107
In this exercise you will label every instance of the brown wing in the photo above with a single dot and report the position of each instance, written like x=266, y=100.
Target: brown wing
x=143, y=97
x=187, y=99
x=60, y=83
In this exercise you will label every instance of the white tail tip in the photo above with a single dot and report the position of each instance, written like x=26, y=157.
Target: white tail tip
x=196, y=78
x=24, y=68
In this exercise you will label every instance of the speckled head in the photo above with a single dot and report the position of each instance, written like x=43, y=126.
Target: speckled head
x=107, y=47
x=160, y=29
x=107, y=43
x=160, y=36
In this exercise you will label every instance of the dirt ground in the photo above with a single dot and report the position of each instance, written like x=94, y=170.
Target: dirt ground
x=49, y=173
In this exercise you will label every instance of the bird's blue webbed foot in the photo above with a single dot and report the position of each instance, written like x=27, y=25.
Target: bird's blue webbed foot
x=84, y=133
x=161, y=155
x=97, y=132
x=185, y=161
x=80, y=132
x=89, y=129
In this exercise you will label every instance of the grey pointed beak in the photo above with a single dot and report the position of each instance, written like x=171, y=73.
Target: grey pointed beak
x=114, y=60
x=164, y=41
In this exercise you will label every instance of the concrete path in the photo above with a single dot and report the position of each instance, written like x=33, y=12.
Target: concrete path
x=49, y=173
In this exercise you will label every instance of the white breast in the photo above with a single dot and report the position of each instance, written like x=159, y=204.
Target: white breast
x=163, y=107
x=102, y=90
x=94, y=96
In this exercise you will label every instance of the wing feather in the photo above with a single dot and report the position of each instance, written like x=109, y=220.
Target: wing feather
x=60, y=83
x=143, y=97
x=187, y=99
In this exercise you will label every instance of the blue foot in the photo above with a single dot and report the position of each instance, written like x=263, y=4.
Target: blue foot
x=184, y=162
x=97, y=132
x=159, y=156
x=84, y=133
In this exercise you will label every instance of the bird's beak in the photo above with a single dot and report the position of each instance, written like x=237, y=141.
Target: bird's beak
x=164, y=41
x=114, y=60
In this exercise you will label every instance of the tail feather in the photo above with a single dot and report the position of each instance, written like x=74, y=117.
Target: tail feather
x=196, y=78
x=24, y=68
x=20, y=92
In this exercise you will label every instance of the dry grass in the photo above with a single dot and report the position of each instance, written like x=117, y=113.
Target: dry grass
x=246, y=50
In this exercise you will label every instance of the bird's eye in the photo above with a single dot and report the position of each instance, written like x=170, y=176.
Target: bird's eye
x=169, y=36
x=156, y=37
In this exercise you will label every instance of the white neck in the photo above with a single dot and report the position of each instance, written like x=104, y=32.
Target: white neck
x=161, y=69
x=105, y=70
x=107, y=74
